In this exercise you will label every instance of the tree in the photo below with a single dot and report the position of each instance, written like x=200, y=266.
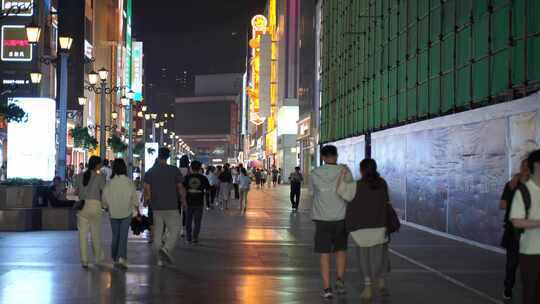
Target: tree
x=116, y=144
x=12, y=112
x=82, y=138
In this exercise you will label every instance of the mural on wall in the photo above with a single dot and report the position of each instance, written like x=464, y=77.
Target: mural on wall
x=448, y=173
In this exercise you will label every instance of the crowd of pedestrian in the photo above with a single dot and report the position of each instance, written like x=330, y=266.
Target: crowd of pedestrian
x=341, y=208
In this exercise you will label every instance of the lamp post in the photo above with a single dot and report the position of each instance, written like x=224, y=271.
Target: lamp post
x=102, y=75
x=154, y=116
x=65, y=46
x=130, y=95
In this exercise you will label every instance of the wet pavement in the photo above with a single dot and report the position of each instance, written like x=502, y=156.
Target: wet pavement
x=263, y=256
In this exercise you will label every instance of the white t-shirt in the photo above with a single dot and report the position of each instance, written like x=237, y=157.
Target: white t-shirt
x=530, y=239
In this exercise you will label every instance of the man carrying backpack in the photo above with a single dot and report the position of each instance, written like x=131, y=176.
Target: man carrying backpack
x=525, y=217
x=510, y=241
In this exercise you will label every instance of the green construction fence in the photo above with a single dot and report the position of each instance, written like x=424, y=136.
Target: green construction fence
x=391, y=62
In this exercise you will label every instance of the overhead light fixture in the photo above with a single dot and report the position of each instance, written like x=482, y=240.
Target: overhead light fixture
x=165, y=131
x=35, y=77
x=65, y=43
x=172, y=115
x=166, y=115
x=33, y=32
x=82, y=100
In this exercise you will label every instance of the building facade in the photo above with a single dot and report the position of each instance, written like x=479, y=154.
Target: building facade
x=272, y=87
x=441, y=94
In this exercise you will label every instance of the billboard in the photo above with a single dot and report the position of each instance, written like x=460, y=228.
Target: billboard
x=18, y=7
x=32, y=144
x=15, y=45
x=150, y=154
x=137, y=69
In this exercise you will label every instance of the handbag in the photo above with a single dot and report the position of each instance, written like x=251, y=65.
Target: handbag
x=392, y=220
x=79, y=205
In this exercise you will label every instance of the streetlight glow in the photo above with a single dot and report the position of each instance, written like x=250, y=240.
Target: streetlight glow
x=35, y=77
x=114, y=115
x=65, y=43
x=124, y=101
x=103, y=74
x=82, y=100
x=93, y=78
x=156, y=125
x=147, y=116
x=153, y=115
x=33, y=32
x=144, y=108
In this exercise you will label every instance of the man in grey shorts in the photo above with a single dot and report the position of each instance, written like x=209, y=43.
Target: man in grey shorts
x=163, y=189
x=329, y=216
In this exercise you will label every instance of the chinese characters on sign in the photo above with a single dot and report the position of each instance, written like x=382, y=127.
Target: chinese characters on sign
x=15, y=46
x=18, y=8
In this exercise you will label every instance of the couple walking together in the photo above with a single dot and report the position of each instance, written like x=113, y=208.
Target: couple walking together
x=341, y=207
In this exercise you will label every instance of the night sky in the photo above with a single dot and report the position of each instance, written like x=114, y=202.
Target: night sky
x=200, y=36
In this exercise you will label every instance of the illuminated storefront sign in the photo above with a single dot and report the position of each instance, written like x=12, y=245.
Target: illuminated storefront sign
x=15, y=46
x=19, y=7
x=32, y=145
x=137, y=69
x=287, y=120
x=150, y=154
x=88, y=50
x=259, y=24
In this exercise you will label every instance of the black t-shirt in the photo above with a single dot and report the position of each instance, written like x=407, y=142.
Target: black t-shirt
x=508, y=196
x=196, y=184
x=225, y=177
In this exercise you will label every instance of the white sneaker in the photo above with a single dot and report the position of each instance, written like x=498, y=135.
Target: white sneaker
x=122, y=263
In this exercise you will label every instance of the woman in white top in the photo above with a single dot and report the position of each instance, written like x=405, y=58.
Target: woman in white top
x=244, y=183
x=366, y=221
x=120, y=198
x=89, y=187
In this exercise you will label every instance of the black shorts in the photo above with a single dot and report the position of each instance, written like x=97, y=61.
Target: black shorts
x=330, y=236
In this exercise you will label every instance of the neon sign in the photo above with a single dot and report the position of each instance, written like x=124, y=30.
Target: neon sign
x=15, y=46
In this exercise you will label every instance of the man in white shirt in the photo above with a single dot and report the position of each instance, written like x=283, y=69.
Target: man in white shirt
x=106, y=170
x=525, y=214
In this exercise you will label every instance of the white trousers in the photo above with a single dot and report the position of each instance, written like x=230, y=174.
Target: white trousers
x=89, y=222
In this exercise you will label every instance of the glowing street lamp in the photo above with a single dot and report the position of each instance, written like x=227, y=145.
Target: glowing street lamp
x=35, y=77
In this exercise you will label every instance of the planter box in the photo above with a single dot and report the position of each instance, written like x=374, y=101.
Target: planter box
x=21, y=219
x=58, y=219
x=17, y=196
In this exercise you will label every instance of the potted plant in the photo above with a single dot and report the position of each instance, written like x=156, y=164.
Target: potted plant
x=82, y=138
x=116, y=144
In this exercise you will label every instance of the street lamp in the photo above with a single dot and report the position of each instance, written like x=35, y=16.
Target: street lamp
x=102, y=75
x=153, y=115
x=35, y=77
x=65, y=46
x=33, y=32
x=144, y=108
x=114, y=115
x=147, y=116
x=82, y=100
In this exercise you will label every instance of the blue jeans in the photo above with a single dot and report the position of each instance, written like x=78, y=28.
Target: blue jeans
x=120, y=229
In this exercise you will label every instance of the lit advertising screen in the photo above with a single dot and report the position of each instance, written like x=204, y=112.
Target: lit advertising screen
x=31, y=145
x=15, y=45
x=150, y=155
x=137, y=69
x=18, y=7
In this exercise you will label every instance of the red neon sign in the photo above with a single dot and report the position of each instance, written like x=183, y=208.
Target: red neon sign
x=16, y=42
